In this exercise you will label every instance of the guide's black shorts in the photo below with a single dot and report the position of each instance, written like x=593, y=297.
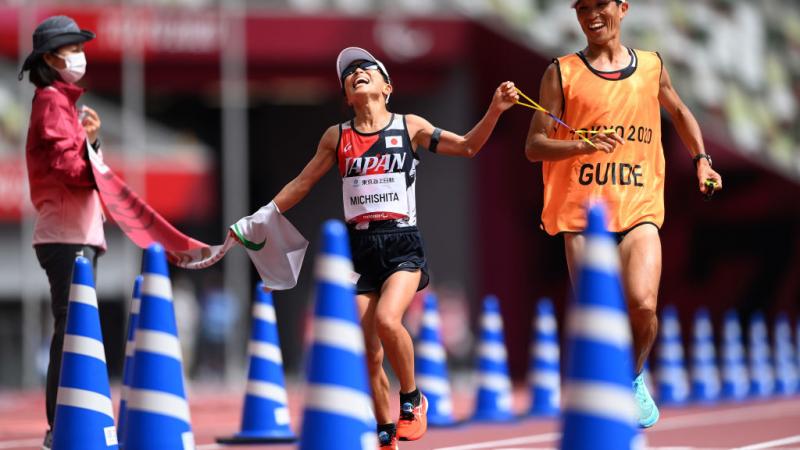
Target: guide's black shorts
x=377, y=254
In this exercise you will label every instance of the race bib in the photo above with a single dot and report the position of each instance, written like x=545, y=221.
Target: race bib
x=375, y=197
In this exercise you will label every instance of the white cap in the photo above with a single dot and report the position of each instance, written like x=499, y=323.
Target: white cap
x=351, y=54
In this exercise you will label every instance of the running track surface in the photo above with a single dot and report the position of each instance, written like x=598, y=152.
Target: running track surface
x=772, y=424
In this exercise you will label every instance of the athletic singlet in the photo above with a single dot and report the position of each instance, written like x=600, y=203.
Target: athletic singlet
x=630, y=181
x=378, y=172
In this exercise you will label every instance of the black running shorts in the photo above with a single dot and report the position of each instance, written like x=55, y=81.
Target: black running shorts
x=377, y=254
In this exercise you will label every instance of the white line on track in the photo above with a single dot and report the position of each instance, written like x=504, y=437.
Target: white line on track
x=772, y=444
x=20, y=443
x=534, y=439
x=702, y=419
x=208, y=447
x=734, y=415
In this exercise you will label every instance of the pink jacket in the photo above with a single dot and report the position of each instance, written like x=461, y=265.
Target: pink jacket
x=60, y=176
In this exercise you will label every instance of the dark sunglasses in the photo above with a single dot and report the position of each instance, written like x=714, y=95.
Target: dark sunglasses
x=363, y=65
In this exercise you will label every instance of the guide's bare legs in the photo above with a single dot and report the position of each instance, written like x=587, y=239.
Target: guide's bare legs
x=640, y=259
x=640, y=256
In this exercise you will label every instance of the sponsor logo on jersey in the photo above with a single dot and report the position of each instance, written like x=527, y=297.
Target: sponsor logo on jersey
x=394, y=141
x=365, y=165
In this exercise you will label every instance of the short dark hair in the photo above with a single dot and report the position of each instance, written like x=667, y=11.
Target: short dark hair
x=41, y=74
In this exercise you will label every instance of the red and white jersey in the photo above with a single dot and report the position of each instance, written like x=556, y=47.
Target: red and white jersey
x=378, y=174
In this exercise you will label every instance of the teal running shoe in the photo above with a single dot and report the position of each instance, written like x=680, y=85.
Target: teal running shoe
x=648, y=411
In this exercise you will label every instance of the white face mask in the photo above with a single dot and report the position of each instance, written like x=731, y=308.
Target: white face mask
x=76, y=67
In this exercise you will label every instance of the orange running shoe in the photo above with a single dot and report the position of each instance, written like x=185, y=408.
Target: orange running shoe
x=387, y=441
x=413, y=420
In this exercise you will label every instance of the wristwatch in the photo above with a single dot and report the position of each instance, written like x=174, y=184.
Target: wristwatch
x=700, y=156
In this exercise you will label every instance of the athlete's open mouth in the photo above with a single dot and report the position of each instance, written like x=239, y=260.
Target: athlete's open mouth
x=596, y=26
x=362, y=79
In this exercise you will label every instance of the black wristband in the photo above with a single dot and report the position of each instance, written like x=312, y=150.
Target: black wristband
x=437, y=133
x=96, y=144
x=700, y=156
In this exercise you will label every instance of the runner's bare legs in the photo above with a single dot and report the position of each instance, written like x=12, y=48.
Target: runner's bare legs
x=378, y=380
x=640, y=254
x=381, y=320
x=640, y=258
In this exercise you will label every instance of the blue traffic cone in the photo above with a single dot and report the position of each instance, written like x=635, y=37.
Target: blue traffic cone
x=762, y=377
x=130, y=348
x=266, y=413
x=705, y=376
x=735, y=382
x=673, y=383
x=84, y=418
x=158, y=413
x=599, y=410
x=430, y=360
x=786, y=376
x=338, y=407
x=544, y=373
x=494, y=399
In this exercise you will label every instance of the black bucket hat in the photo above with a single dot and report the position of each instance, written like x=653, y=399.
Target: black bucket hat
x=52, y=33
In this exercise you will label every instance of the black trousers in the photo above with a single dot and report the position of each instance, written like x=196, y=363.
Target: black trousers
x=57, y=261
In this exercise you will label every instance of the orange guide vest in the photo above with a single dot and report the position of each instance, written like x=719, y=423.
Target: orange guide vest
x=630, y=181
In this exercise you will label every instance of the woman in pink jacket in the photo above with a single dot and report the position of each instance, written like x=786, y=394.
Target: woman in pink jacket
x=69, y=217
